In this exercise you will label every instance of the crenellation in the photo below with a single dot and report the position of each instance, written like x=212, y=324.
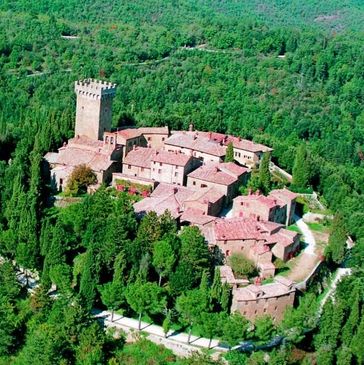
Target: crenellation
x=94, y=107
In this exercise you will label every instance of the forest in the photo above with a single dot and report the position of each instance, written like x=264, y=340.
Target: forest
x=287, y=74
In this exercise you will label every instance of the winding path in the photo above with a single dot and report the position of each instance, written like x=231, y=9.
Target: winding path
x=307, y=236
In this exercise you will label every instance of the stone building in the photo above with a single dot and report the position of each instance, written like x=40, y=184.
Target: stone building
x=246, y=152
x=138, y=162
x=223, y=177
x=178, y=199
x=278, y=206
x=196, y=145
x=93, y=108
x=171, y=167
x=258, y=241
x=103, y=157
x=154, y=137
x=273, y=299
x=129, y=138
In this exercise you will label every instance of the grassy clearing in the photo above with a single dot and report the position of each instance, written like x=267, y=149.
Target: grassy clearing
x=318, y=227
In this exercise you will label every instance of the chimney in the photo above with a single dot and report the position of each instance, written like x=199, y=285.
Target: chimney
x=190, y=127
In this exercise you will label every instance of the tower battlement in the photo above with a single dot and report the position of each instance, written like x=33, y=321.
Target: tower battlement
x=93, y=109
x=95, y=89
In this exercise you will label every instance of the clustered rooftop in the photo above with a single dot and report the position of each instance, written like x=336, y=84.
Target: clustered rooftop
x=188, y=176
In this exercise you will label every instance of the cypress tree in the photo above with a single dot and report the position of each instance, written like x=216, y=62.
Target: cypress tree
x=229, y=157
x=264, y=174
x=300, y=172
x=335, y=251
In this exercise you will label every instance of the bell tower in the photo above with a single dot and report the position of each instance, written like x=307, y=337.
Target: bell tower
x=94, y=107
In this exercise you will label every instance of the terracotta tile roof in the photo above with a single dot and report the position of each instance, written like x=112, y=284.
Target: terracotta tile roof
x=181, y=192
x=246, y=145
x=196, y=143
x=154, y=130
x=70, y=156
x=140, y=156
x=257, y=199
x=204, y=195
x=283, y=238
x=253, y=292
x=84, y=142
x=128, y=133
x=238, y=142
x=283, y=194
x=244, y=228
x=165, y=197
x=171, y=158
x=197, y=217
x=219, y=173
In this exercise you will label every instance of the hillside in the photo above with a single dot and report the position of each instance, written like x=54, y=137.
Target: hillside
x=288, y=74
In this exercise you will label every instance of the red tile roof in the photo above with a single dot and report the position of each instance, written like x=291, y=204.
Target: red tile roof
x=196, y=142
x=171, y=158
x=165, y=197
x=206, y=194
x=219, y=173
x=84, y=142
x=244, y=229
x=276, y=289
x=140, y=156
x=238, y=142
x=197, y=217
x=283, y=194
x=259, y=199
x=154, y=130
x=128, y=133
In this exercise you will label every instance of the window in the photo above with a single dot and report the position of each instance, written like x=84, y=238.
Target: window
x=129, y=167
x=265, y=310
x=111, y=140
x=159, y=171
x=149, y=138
x=193, y=182
x=203, y=186
x=176, y=174
x=60, y=181
x=142, y=169
x=163, y=139
x=227, y=253
x=160, y=164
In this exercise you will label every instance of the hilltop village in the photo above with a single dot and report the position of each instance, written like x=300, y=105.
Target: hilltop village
x=185, y=173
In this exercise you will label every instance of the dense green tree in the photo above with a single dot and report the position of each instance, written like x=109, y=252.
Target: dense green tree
x=81, y=177
x=112, y=296
x=264, y=328
x=145, y=298
x=229, y=156
x=335, y=250
x=163, y=258
x=264, y=173
x=235, y=329
x=194, y=252
x=301, y=168
x=241, y=266
x=190, y=305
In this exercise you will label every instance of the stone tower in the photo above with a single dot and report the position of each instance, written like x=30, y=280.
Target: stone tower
x=93, y=109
